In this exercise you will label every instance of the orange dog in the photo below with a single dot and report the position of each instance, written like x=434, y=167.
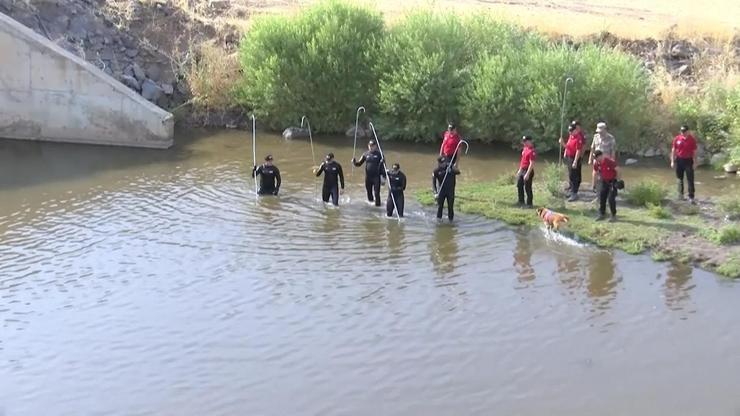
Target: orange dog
x=551, y=218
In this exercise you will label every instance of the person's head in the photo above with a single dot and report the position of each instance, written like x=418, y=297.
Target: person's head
x=371, y=145
x=527, y=141
x=268, y=160
x=396, y=167
x=442, y=160
x=598, y=155
x=575, y=126
x=601, y=127
x=452, y=127
x=329, y=157
x=685, y=130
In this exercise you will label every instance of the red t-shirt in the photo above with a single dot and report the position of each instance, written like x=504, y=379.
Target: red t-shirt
x=528, y=156
x=575, y=143
x=449, y=143
x=607, y=169
x=684, y=146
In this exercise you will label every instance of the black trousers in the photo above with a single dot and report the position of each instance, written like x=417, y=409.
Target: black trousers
x=608, y=191
x=330, y=191
x=685, y=166
x=523, y=186
x=574, y=174
x=372, y=186
x=398, y=197
x=450, y=198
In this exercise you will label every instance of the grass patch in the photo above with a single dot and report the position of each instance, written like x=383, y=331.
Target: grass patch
x=646, y=192
x=730, y=268
x=658, y=211
x=730, y=205
x=727, y=235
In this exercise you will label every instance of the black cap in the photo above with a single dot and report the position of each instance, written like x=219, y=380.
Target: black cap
x=329, y=156
x=268, y=158
x=598, y=153
x=396, y=166
x=571, y=127
x=451, y=126
x=441, y=159
x=684, y=128
x=526, y=138
x=371, y=143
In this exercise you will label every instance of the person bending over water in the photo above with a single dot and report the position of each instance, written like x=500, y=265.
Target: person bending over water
x=269, y=177
x=396, y=186
x=373, y=170
x=333, y=179
x=443, y=186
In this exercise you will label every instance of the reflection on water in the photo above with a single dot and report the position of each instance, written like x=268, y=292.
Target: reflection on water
x=156, y=280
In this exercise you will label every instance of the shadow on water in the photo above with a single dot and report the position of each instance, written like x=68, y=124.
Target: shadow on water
x=678, y=284
x=523, y=257
x=602, y=279
x=444, y=249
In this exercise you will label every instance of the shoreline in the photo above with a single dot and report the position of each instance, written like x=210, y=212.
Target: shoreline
x=687, y=236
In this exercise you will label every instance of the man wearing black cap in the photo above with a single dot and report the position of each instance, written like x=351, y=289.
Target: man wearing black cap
x=525, y=174
x=607, y=176
x=683, y=159
x=573, y=155
x=396, y=186
x=269, y=177
x=443, y=186
x=449, y=143
x=333, y=178
x=373, y=170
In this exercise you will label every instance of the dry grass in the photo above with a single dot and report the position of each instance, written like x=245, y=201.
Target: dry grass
x=212, y=77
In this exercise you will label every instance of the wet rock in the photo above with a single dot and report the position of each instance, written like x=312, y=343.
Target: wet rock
x=295, y=133
x=730, y=168
x=167, y=88
x=153, y=72
x=131, y=53
x=139, y=72
x=717, y=159
x=151, y=91
x=629, y=162
x=681, y=50
x=129, y=70
x=130, y=82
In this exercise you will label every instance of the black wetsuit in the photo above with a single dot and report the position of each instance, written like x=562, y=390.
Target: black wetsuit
x=333, y=178
x=373, y=170
x=446, y=190
x=396, y=186
x=269, y=179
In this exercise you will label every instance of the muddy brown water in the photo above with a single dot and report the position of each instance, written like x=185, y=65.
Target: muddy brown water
x=137, y=282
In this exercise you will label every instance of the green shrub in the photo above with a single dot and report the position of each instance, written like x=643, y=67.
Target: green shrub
x=318, y=63
x=730, y=205
x=658, y=211
x=552, y=177
x=646, y=192
x=714, y=115
x=729, y=234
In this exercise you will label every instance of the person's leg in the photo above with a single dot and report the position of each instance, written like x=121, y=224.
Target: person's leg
x=399, y=203
x=369, y=188
x=603, y=194
x=335, y=195
x=569, y=165
x=389, y=206
x=376, y=189
x=528, y=188
x=612, y=187
x=690, y=177
x=520, y=188
x=451, y=206
x=577, y=177
x=680, y=168
x=325, y=193
x=440, y=205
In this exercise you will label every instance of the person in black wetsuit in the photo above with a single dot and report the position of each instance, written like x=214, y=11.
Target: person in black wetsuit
x=269, y=177
x=333, y=178
x=374, y=169
x=396, y=186
x=443, y=186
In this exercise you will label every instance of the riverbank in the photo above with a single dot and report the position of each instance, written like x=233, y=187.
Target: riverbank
x=677, y=231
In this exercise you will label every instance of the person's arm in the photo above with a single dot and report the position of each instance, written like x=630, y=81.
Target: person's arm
x=578, y=155
x=673, y=153
x=442, y=146
x=320, y=170
x=341, y=175
x=455, y=170
x=278, y=180
x=529, y=170
x=359, y=162
x=403, y=180
x=591, y=152
x=256, y=170
x=434, y=183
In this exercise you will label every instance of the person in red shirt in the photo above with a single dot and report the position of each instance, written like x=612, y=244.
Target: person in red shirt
x=449, y=144
x=525, y=174
x=606, y=171
x=683, y=159
x=573, y=156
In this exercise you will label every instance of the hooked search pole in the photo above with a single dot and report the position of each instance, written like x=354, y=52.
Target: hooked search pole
x=562, y=117
x=354, y=146
x=305, y=120
x=254, y=152
x=385, y=167
x=449, y=165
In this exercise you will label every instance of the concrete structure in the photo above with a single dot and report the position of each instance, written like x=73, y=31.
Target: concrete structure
x=47, y=93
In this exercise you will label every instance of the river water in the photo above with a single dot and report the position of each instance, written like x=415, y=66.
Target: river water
x=137, y=282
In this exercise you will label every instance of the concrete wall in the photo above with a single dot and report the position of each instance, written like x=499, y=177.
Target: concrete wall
x=47, y=93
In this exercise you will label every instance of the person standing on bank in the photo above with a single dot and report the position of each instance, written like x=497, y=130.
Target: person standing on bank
x=373, y=170
x=573, y=156
x=449, y=143
x=604, y=141
x=683, y=159
x=333, y=179
x=396, y=186
x=269, y=177
x=606, y=171
x=443, y=186
x=525, y=174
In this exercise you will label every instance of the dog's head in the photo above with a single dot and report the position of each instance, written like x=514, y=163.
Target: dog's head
x=540, y=211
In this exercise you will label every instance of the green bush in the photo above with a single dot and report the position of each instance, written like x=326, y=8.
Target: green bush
x=318, y=63
x=552, y=177
x=730, y=205
x=646, y=192
x=727, y=235
x=658, y=211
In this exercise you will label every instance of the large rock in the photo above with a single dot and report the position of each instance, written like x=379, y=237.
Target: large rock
x=130, y=82
x=153, y=72
x=295, y=133
x=681, y=50
x=139, y=72
x=167, y=88
x=730, y=168
x=629, y=162
x=151, y=91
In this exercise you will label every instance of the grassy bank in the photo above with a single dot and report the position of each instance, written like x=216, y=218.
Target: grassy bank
x=670, y=231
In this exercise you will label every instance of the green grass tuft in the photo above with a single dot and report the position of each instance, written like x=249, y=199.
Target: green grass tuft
x=730, y=268
x=658, y=211
x=730, y=205
x=646, y=192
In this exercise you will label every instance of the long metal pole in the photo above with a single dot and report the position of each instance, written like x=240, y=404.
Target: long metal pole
x=385, y=167
x=254, y=151
x=562, y=118
x=305, y=120
x=354, y=145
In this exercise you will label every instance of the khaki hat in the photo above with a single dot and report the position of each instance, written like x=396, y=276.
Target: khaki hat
x=601, y=126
